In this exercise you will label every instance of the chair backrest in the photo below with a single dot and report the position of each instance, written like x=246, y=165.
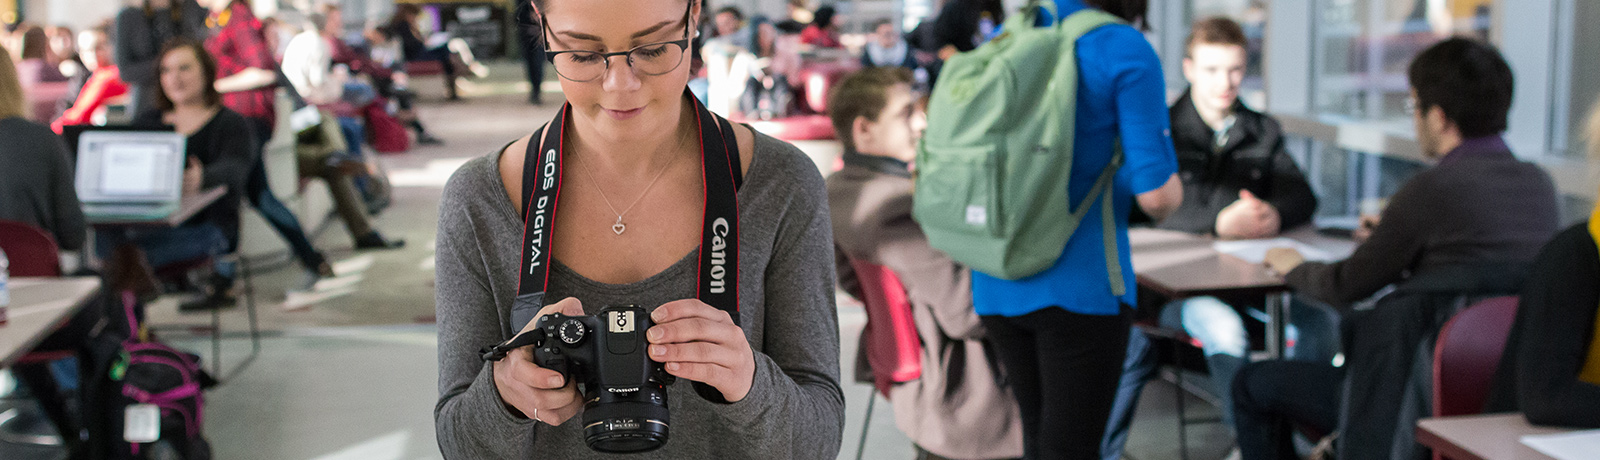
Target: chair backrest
x=893, y=348
x=29, y=250
x=1467, y=355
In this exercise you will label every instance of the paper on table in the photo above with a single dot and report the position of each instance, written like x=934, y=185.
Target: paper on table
x=1578, y=445
x=1255, y=251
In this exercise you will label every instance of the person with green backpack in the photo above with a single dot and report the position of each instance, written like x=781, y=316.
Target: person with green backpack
x=1038, y=144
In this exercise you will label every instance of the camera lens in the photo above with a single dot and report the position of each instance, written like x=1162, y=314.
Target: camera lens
x=627, y=422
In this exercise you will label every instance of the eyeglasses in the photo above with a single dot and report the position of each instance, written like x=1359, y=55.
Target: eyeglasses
x=649, y=60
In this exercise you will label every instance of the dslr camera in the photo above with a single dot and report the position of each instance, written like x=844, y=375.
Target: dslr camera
x=625, y=392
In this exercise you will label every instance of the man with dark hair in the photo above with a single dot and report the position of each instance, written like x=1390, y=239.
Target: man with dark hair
x=1461, y=230
x=1238, y=183
x=955, y=408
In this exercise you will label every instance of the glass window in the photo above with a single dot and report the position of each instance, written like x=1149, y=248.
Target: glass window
x=1364, y=46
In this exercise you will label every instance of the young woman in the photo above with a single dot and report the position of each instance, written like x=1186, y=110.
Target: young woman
x=103, y=84
x=629, y=205
x=220, y=151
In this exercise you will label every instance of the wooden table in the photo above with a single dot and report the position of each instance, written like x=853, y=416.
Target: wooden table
x=38, y=307
x=1181, y=265
x=1482, y=437
x=188, y=206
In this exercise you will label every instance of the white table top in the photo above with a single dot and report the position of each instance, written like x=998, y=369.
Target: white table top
x=38, y=306
x=1181, y=264
x=1482, y=437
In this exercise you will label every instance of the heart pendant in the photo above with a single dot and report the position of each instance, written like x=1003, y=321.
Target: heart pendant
x=619, y=228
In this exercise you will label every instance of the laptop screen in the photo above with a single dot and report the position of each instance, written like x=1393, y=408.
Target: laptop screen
x=130, y=166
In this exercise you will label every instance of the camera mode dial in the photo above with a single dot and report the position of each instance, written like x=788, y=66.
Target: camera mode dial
x=571, y=332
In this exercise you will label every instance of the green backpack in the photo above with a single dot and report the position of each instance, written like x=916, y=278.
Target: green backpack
x=994, y=164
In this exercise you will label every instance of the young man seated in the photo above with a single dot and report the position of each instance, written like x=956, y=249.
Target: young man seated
x=1459, y=231
x=956, y=408
x=1238, y=183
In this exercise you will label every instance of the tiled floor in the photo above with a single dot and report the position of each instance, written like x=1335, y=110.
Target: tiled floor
x=352, y=375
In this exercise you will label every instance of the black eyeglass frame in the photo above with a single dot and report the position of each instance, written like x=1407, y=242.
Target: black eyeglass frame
x=682, y=44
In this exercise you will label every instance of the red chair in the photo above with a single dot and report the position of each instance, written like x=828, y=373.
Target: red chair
x=1467, y=355
x=30, y=250
x=894, y=350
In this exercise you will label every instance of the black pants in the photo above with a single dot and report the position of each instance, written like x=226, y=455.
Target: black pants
x=1271, y=398
x=1063, y=368
x=533, y=64
x=277, y=215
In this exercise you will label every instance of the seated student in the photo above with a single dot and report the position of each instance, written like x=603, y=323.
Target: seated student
x=1462, y=229
x=454, y=56
x=1551, y=367
x=36, y=184
x=887, y=48
x=308, y=67
x=725, y=83
x=103, y=85
x=33, y=58
x=384, y=79
x=956, y=408
x=36, y=188
x=221, y=151
x=1238, y=183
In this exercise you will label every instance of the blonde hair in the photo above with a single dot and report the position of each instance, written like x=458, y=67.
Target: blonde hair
x=11, y=101
x=1591, y=131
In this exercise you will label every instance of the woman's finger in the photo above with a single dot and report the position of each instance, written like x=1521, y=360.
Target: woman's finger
x=694, y=352
x=526, y=372
x=688, y=308
x=694, y=330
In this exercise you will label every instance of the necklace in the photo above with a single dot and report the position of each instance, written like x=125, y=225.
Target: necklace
x=619, y=227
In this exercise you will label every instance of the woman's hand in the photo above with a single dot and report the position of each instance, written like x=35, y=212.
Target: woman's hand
x=535, y=392
x=193, y=177
x=701, y=343
x=1284, y=260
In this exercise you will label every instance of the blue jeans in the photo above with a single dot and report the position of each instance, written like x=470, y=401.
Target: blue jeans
x=1312, y=333
x=1137, y=367
x=166, y=246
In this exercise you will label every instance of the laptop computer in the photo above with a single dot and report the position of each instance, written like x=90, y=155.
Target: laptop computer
x=130, y=174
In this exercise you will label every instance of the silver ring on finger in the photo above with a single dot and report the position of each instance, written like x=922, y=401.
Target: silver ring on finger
x=536, y=415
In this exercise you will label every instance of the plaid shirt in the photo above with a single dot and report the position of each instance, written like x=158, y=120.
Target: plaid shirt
x=238, y=44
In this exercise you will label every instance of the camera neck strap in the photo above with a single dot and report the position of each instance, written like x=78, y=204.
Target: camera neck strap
x=718, y=273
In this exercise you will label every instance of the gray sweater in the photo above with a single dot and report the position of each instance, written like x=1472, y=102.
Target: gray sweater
x=794, y=409
x=36, y=182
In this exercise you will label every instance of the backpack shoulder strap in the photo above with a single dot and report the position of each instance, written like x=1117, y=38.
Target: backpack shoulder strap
x=1086, y=20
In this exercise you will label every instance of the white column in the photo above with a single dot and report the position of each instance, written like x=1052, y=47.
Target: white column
x=1286, y=61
